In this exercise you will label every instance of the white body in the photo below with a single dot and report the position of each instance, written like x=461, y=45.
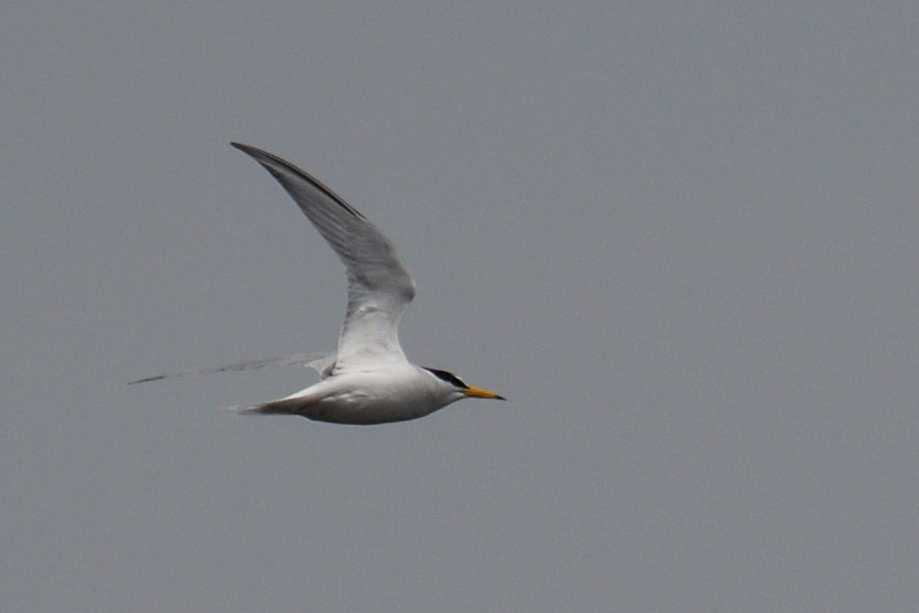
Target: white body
x=389, y=394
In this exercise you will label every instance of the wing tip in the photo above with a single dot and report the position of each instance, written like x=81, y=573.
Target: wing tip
x=148, y=379
x=245, y=148
x=270, y=161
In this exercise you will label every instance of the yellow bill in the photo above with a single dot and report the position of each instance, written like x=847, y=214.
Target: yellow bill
x=478, y=392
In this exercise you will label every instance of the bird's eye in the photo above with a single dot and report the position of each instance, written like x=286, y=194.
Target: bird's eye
x=449, y=377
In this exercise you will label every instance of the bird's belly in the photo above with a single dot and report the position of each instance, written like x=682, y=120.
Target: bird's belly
x=363, y=408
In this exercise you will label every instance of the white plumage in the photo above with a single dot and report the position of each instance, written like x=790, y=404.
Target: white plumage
x=369, y=380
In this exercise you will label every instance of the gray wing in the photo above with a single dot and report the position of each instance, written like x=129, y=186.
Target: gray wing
x=379, y=287
x=320, y=362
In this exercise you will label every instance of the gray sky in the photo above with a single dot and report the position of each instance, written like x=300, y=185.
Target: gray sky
x=681, y=237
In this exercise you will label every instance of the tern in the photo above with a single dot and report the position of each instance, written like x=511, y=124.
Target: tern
x=368, y=380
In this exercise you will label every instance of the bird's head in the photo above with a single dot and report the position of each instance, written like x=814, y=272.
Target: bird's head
x=457, y=389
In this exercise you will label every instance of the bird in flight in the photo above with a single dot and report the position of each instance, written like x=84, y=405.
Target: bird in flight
x=368, y=380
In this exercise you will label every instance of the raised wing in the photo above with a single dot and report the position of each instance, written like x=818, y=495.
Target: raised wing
x=379, y=287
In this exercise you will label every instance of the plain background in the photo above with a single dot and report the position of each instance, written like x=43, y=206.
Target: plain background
x=681, y=237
